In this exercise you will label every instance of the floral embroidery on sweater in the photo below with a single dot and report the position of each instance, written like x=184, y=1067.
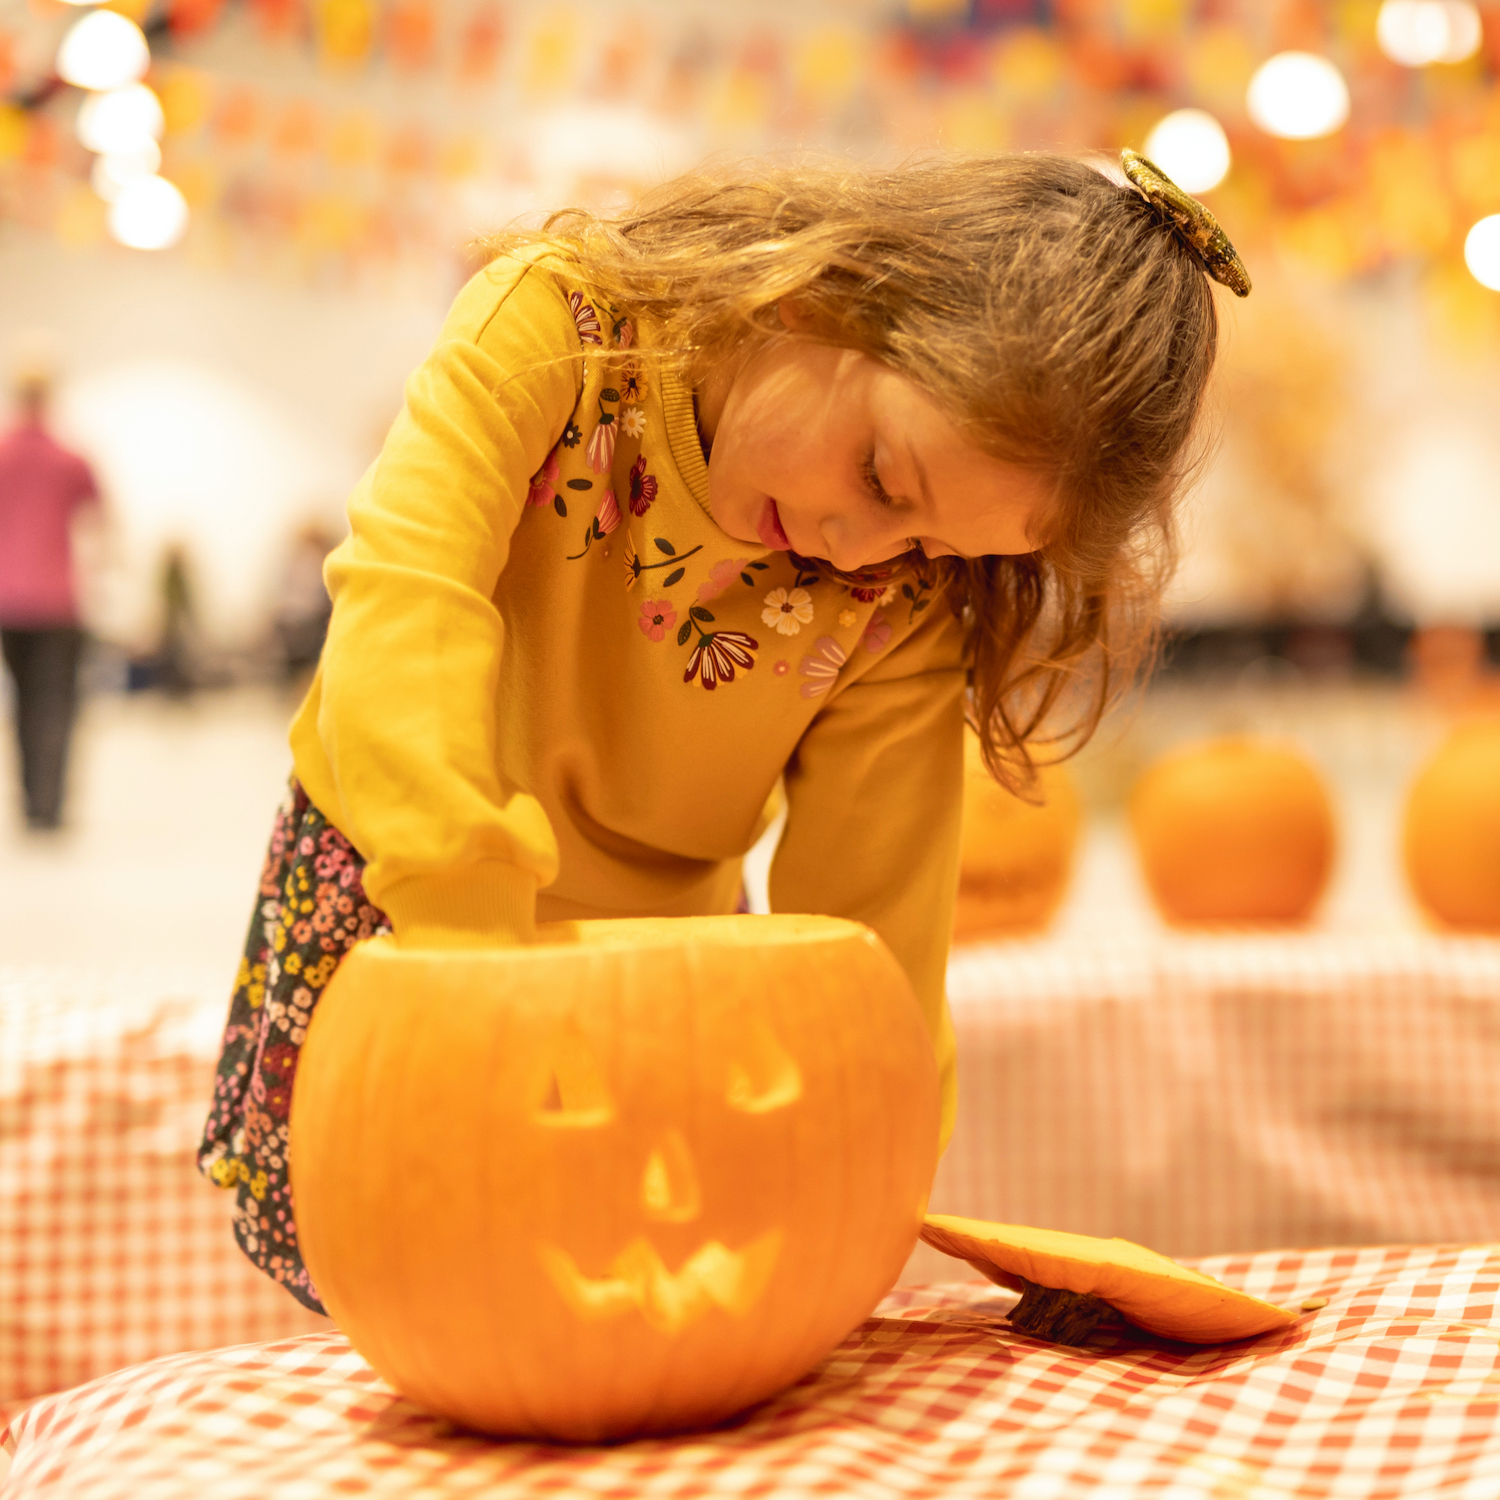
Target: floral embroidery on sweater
x=607, y=517
x=786, y=611
x=621, y=485
x=642, y=487
x=718, y=652
x=657, y=618
x=717, y=655
x=917, y=597
x=671, y=558
x=877, y=634
x=586, y=319
x=543, y=485
x=601, y=449
x=721, y=575
x=632, y=382
x=821, y=666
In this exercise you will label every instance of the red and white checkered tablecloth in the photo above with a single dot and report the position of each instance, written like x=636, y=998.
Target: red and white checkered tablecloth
x=1391, y=1390
x=112, y=1248
x=1196, y=1094
x=1207, y=1094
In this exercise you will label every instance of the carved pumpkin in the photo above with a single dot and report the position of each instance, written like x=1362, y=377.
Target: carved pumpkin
x=1141, y=1286
x=1452, y=833
x=630, y=1179
x=1234, y=830
x=1015, y=857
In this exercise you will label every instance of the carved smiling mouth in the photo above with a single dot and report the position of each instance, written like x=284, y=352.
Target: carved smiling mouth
x=713, y=1276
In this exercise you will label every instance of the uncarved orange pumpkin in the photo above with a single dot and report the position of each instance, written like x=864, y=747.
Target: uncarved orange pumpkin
x=630, y=1179
x=1234, y=830
x=1149, y=1290
x=1452, y=830
x=1015, y=857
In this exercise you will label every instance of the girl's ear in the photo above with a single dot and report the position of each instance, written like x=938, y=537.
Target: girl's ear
x=794, y=316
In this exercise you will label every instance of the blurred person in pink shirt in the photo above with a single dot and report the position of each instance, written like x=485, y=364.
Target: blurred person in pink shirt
x=42, y=487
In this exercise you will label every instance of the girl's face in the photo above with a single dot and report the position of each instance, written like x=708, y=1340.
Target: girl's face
x=829, y=453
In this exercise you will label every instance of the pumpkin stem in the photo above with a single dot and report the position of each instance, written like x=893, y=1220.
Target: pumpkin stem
x=1060, y=1316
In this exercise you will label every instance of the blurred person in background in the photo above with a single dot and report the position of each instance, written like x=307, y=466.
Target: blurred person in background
x=42, y=488
x=175, y=674
x=303, y=607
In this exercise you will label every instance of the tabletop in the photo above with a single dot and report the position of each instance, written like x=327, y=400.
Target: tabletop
x=1389, y=1389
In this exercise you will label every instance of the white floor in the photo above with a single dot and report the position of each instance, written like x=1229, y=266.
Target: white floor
x=169, y=809
x=171, y=804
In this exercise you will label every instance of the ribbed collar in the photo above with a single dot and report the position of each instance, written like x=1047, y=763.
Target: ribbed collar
x=682, y=434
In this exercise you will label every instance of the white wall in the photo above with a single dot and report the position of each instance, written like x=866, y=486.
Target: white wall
x=1402, y=462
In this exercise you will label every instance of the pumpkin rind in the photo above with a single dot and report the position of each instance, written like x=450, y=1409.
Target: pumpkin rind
x=1451, y=835
x=1234, y=830
x=1015, y=858
x=629, y=1181
x=1150, y=1290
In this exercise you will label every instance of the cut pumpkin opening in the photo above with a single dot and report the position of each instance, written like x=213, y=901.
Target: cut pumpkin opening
x=1073, y=1284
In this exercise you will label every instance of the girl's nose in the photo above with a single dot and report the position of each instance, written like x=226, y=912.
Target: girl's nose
x=851, y=542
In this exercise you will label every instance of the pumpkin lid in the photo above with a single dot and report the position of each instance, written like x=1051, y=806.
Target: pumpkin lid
x=1147, y=1289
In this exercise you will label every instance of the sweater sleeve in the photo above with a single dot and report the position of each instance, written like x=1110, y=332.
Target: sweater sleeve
x=874, y=800
x=396, y=742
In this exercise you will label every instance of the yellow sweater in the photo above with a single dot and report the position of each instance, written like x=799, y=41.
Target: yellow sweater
x=553, y=688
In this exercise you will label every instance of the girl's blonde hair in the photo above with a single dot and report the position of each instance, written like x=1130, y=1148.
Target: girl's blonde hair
x=1043, y=304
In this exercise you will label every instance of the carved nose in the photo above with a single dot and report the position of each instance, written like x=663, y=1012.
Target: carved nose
x=669, y=1185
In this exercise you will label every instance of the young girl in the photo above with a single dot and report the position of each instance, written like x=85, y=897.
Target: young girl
x=771, y=481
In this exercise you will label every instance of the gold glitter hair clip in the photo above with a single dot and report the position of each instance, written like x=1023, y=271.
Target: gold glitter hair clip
x=1195, y=226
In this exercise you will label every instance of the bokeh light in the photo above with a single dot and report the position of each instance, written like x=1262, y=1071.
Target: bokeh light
x=121, y=121
x=148, y=213
x=1482, y=252
x=1415, y=33
x=1190, y=146
x=1298, y=96
x=114, y=171
x=103, y=50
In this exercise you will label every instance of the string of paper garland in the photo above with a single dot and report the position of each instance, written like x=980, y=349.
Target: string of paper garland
x=1374, y=137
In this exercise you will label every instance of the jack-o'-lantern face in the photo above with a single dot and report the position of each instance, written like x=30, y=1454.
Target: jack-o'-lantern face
x=630, y=1183
x=638, y=1161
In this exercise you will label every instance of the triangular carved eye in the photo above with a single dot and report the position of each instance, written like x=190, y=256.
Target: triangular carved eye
x=572, y=1092
x=763, y=1075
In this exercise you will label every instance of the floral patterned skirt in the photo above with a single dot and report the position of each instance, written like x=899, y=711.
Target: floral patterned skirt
x=310, y=911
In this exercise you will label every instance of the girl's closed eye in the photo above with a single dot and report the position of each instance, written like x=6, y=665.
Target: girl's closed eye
x=871, y=480
x=879, y=493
